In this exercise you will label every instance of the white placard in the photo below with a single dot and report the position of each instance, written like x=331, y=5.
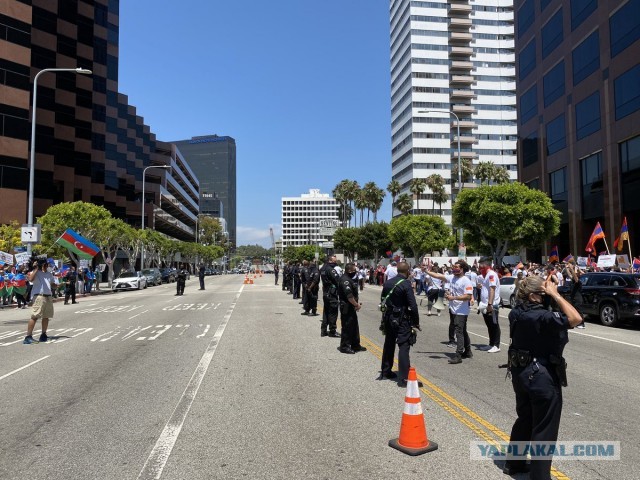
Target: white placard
x=623, y=261
x=84, y=263
x=6, y=258
x=22, y=258
x=606, y=261
x=582, y=262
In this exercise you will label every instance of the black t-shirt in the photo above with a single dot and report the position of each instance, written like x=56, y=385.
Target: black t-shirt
x=537, y=330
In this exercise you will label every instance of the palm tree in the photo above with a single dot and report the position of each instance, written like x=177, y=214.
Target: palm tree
x=418, y=186
x=501, y=175
x=467, y=170
x=360, y=203
x=340, y=194
x=376, y=197
x=352, y=191
x=484, y=172
x=394, y=188
x=435, y=183
x=440, y=196
x=404, y=203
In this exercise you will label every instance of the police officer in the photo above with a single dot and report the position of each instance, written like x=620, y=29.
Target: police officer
x=286, y=273
x=304, y=270
x=311, y=288
x=349, y=307
x=330, y=300
x=538, y=338
x=295, y=274
x=399, y=318
x=201, y=271
x=181, y=280
x=70, y=290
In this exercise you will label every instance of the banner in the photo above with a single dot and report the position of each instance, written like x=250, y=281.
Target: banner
x=623, y=261
x=582, y=262
x=6, y=258
x=22, y=258
x=605, y=261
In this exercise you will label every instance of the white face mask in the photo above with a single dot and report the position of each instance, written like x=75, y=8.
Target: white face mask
x=49, y=269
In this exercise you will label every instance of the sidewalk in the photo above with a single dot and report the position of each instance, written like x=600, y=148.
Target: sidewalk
x=14, y=306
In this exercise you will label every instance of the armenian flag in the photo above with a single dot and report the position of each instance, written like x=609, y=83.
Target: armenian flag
x=568, y=258
x=597, y=234
x=77, y=244
x=553, y=255
x=624, y=235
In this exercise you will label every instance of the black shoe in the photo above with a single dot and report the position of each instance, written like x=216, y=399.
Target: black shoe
x=313, y=314
x=512, y=469
x=74, y=303
x=43, y=337
x=304, y=313
x=346, y=350
x=324, y=334
x=334, y=334
x=300, y=303
x=390, y=376
x=467, y=354
x=403, y=384
x=455, y=360
x=66, y=303
x=360, y=349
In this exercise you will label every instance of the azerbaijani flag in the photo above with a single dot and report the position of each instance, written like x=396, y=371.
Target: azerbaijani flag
x=19, y=283
x=597, y=233
x=64, y=271
x=567, y=258
x=1, y=284
x=77, y=244
x=636, y=263
x=553, y=255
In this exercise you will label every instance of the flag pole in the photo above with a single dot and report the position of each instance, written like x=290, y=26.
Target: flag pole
x=605, y=244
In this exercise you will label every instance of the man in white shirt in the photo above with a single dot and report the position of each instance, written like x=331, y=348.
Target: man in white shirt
x=42, y=279
x=490, y=303
x=473, y=277
x=391, y=271
x=460, y=293
x=418, y=276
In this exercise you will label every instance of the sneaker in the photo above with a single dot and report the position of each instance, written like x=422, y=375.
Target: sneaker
x=452, y=345
x=43, y=337
x=494, y=349
x=581, y=325
x=28, y=340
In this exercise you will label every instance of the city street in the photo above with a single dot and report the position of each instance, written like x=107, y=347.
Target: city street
x=232, y=382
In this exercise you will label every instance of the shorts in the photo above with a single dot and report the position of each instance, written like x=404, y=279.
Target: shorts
x=42, y=307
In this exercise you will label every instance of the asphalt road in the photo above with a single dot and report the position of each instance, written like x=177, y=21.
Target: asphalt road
x=232, y=382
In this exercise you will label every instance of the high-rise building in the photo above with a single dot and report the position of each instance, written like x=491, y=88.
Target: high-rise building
x=213, y=159
x=90, y=143
x=302, y=217
x=457, y=56
x=579, y=109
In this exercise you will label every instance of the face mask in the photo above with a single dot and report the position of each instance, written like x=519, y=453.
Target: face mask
x=484, y=270
x=49, y=269
x=354, y=274
x=456, y=271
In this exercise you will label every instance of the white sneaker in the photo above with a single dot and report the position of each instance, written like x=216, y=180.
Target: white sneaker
x=493, y=349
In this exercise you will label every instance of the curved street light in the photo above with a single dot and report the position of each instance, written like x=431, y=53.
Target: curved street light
x=32, y=155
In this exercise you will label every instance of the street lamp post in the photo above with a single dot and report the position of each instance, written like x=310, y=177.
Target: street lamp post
x=459, y=155
x=32, y=155
x=144, y=176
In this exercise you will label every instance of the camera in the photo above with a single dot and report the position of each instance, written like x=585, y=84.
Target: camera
x=39, y=259
x=382, y=307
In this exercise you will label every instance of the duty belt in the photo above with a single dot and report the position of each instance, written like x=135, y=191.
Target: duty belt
x=520, y=358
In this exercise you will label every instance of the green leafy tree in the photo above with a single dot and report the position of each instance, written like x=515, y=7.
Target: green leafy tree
x=467, y=170
x=374, y=240
x=488, y=172
x=10, y=236
x=210, y=231
x=507, y=216
x=501, y=175
x=252, y=251
x=347, y=240
x=436, y=183
x=404, y=203
x=394, y=189
x=417, y=187
x=419, y=234
x=375, y=197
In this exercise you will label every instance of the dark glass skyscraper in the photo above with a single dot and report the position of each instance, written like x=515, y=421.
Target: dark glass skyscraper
x=213, y=159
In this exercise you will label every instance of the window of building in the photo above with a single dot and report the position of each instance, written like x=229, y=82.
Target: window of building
x=586, y=58
x=528, y=104
x=588, y=116
x=630, y=155
x=556, y=135
x=552, y=34
x=592, y=186
x=624, y=27
x=627, y=93
x=535, y=184
x=580, y=11
x=526, y=16
x=544, y=4
x=558, y=183
x=530, y=149
x=527, y=59
x=553, y=84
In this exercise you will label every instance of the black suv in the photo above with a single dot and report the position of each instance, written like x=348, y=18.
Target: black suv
x=612, y=296
x=168, y=275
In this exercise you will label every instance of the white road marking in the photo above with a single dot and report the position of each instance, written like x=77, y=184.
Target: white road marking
x=9, y=334
x=138, y=314
x=82, y=330
x=95, y=339
x=205, y=332
x=135, y=331
x=184, y=329
x=22, y=368
x=606, y=339
x=160, y=453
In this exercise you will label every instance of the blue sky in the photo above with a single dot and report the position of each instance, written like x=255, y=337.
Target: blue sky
x=302, y=86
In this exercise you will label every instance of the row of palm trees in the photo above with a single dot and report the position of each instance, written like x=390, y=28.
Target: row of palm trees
x=354, y=199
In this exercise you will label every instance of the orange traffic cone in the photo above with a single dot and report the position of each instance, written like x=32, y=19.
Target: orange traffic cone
x=413, y=433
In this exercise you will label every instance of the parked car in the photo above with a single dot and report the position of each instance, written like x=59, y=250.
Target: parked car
x=154, y=277
x=167, y=275
x=612, y=296
x=508, y=291
x=129, y=280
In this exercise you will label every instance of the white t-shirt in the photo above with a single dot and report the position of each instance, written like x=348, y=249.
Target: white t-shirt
x=459, y=286
x=418, y=274
x=42, y=283
x=435, y=284
x=391, y=272
x=473, y=276
x=490, y=280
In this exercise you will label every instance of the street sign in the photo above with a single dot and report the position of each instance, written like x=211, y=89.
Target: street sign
x=30, y=233
x=326, y=244
x=329, y=222
x=327, y=231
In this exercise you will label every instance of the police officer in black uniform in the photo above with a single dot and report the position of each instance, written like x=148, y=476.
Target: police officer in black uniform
x=538, y=338
x=181, y=280
x=399, y=319
x=295, y=274
x=286, y=276
x=304, y=270
x=330, y=300
x=311, y=288
x=349, y=307
x=70, y=289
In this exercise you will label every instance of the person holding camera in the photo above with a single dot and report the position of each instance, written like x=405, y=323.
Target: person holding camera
x=42, y=279
x=400, y=317
x=538, y=338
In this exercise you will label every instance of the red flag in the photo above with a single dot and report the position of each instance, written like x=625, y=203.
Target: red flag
x=597, y=234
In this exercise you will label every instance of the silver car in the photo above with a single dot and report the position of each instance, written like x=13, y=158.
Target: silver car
x=129, y=280
x=508, y=291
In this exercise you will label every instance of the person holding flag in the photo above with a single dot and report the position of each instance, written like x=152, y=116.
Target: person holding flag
x=42, y=280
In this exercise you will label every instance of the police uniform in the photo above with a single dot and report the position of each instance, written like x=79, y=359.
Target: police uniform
x=285, y=277
x=311, y=289
x=538, y=338
x=330, y=300
x=295, y=273
x=350, y=338
x=180, y=281
x=70, y=290
x=401, y=314
x=304, y=271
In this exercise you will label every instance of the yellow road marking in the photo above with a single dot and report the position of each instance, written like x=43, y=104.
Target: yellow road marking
x=433, y=395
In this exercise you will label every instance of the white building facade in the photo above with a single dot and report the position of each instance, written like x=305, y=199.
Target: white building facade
x=301, y=217
x=458, y=56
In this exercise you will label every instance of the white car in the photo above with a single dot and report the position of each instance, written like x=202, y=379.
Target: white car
x=129, y=280
x=508, y=291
